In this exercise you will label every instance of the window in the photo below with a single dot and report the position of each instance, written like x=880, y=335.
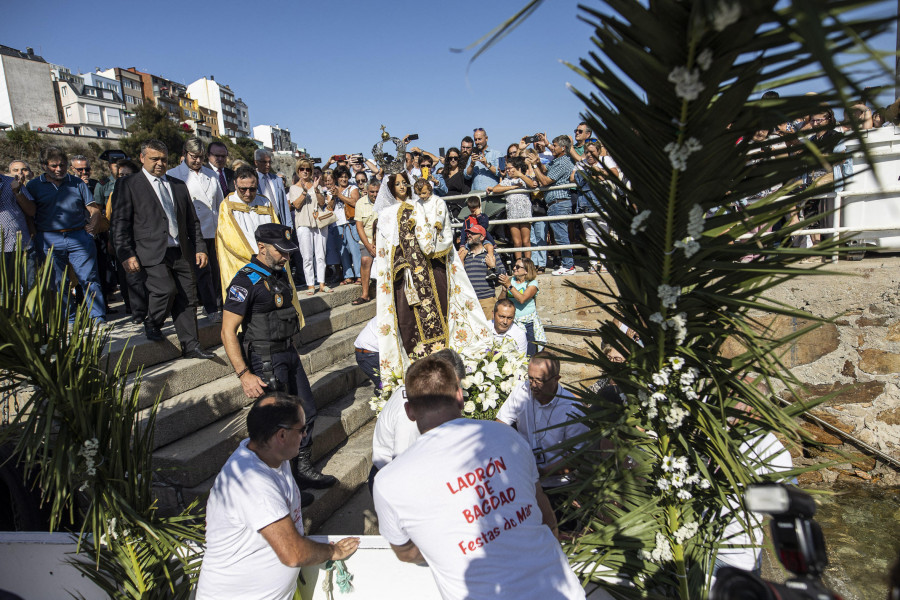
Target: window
x=93, y=113
x=65, y=90
x=113, y=118
x=68, y=111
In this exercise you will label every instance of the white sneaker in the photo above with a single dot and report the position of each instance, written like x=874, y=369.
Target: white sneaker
x=564, y=271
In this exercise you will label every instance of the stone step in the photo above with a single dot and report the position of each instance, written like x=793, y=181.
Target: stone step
x=127, y=341
x=356, y=516
x=196, y=408
x=191, y=460
x=166, y=380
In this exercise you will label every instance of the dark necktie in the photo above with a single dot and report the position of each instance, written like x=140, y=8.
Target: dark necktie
x=223, y=182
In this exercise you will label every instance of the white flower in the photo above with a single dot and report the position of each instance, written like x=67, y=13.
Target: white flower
x=638, y=222
x=466, y=382
x=704, y=484
x=683, y=494
x=678, y=480
x=506, y=385
x=509, y=368
x=695, y=221
x=668, y=463
x=679, y=323
x=491, y=370
x=693, y=479
x=664, y=484
x=668, y=295
x=658, y=397
x=469, y=407
x=676, y=417
x=658, y=319
x=686, y=531
x=705, y=59
x=726, y=13
x=652, y=412
x=691, y=395
x=677, y=362
x=662, y=551
x=477, y=378
x=687, y=82
x=681, y=463
x=661, y=378
x=490, y=399
x=690, y=247
x=687, y=378
x=679, y=153
x=645, y=400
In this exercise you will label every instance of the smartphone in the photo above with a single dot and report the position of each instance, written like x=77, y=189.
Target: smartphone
x=441, y=152
x=425, y=172
x=340, y=157
x=532, y=139
x=315, y=160
x=413, y=136
x=502, y=163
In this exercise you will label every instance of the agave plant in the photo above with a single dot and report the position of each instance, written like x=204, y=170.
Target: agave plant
x=76, y=429
x=669, y=94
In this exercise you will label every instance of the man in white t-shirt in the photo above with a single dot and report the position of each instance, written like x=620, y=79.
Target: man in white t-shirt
x=465, y=499
x=503, y=324
x=394, y=431
x=255, y=545
x=366, y=345
x=538, y=408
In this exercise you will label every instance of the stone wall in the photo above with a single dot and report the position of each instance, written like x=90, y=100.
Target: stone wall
x=855, y=358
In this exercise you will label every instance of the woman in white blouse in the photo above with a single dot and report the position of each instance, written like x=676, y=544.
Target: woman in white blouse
x=310, y=205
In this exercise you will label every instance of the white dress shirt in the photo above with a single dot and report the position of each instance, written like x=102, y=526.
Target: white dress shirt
x=515, y=332
x=172, y=242
x=206, y=194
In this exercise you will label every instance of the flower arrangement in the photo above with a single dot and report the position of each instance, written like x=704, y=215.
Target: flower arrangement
x=491, y=377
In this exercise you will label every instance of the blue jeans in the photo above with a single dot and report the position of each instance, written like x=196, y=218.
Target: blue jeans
x=350, y=251
x=561, y=229
x=539, y=238
x=10, y=259
x=77, y=250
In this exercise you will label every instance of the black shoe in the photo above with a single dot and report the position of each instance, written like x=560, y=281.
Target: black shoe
x=306, y=474
x=137, y=320
x=306, y=499
x=198, y=352
x=152, y=332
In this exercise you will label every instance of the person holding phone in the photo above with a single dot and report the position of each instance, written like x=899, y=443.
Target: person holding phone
x=311, y=207
x=483, y=168
x=518, y=206
x=522, y=289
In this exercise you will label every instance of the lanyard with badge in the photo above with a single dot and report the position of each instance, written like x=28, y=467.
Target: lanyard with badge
x=537, y=443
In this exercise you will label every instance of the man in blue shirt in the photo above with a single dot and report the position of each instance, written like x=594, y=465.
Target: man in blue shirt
x=66, y=217
x=15, y=203
x=483, y=168
x=559, y=202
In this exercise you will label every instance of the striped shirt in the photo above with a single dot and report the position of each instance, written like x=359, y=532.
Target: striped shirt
x=559, y=171
x=477, y=270
x=12, y=220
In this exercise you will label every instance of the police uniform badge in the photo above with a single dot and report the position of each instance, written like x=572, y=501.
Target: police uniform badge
x=287, y=234
x=279, y=300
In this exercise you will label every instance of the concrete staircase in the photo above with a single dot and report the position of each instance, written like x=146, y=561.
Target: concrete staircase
x=202, y=417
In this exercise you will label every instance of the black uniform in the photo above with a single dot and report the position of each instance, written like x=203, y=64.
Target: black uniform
x=271, y=328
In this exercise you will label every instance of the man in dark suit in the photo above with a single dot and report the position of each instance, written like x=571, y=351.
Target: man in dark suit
x=218, y=156
x=155, y=228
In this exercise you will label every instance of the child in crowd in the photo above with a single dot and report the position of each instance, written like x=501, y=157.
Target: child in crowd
x=476, y=218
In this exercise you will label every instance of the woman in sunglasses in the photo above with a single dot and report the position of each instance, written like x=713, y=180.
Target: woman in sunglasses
x=453, y=174
x=310, y=203
x=522, y=288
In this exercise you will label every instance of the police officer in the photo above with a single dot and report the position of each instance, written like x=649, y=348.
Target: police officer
x=261, y=300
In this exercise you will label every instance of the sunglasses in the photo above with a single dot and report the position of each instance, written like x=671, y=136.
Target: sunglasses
x=244, y=190
x=579, y=131
x=477, y=129
x=83, y=169
x=307, y=169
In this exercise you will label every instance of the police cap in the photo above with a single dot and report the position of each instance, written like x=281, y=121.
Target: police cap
x=276, y=235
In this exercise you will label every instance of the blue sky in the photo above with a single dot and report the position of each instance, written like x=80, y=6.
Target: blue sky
x=334, y=72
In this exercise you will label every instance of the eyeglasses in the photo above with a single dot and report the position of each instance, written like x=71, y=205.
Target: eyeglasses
x=307, y=169
x=83, y=169
x=452, y=158
x=539, y=381
x=304, y=431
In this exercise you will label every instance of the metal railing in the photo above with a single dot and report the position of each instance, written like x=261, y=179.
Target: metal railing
x=837, y=228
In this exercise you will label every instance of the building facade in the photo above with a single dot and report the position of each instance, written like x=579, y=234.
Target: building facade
x=26, y=89
x=92, y=110
x=131, y=84
x=233, y=115
x=275, y=138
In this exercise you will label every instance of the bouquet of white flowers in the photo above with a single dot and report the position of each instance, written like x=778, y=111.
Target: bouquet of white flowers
x=490, y=377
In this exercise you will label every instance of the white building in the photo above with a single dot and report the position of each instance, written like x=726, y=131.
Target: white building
x=234, y=120
x=93, y=110
x=275, y=138
x=26, y=90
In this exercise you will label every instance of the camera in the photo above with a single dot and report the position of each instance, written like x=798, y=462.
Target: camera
x=340, y=157
x=492, y=278
x=800, y=545
x=532, y=139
